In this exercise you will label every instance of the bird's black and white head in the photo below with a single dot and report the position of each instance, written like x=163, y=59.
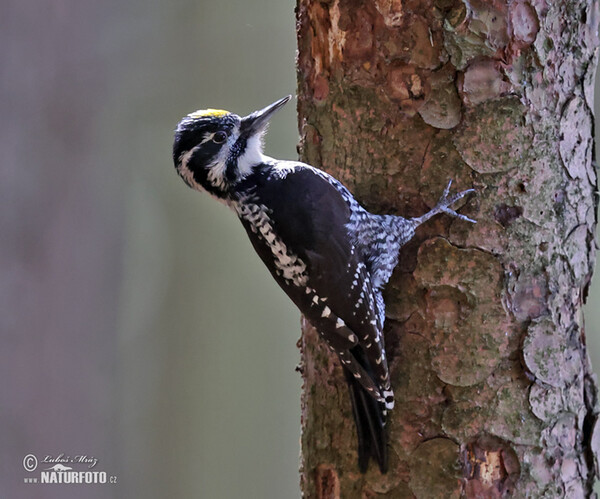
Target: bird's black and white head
x=214, y=149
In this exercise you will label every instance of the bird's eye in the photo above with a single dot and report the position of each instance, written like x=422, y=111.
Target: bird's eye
x=219, y=137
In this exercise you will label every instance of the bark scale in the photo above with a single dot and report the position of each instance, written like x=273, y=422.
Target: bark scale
x=494, y=391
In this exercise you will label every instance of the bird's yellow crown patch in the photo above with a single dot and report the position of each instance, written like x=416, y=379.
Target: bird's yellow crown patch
x=207, y=113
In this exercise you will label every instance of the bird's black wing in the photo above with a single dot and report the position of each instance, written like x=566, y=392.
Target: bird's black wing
x=306, y=217
x=298, y=223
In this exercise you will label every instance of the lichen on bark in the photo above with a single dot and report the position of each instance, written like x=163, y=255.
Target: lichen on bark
x=484, y=332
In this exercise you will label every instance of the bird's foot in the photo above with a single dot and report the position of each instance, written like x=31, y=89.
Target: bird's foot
x=444, y=203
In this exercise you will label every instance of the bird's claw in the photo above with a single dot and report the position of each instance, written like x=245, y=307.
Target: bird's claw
x=458, y=215
x=445, y=202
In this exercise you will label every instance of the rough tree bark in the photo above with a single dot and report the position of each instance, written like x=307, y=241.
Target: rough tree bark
x=494, y=391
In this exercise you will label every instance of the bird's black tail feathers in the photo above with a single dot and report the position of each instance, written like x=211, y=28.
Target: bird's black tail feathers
x=369, y=416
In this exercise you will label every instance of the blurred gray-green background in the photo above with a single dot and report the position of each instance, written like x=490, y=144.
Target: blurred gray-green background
x=137, y=325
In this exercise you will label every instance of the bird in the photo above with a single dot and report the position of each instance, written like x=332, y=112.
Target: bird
x=330, y=255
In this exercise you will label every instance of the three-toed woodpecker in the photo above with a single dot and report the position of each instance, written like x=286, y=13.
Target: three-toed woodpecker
x=330, y=255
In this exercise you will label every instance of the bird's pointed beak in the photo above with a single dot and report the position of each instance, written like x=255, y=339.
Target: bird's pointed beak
x=257, y=121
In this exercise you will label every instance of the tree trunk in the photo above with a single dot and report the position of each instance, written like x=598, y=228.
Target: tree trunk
x=494, y=391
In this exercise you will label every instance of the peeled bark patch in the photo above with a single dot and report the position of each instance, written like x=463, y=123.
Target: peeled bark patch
x=491, y=468
x=474, y=30
x=391, y=11
x=436, y=470
x=528, y=295
x=524, y=22
x=493, y=137
x=576, y=139
x=546, y=356
x=483, y=81
x=466, y=324
x=442, y=107
x=328, y=483
x=466, y=416
x=576, y=249
x=510, y=417
x=545, y=401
